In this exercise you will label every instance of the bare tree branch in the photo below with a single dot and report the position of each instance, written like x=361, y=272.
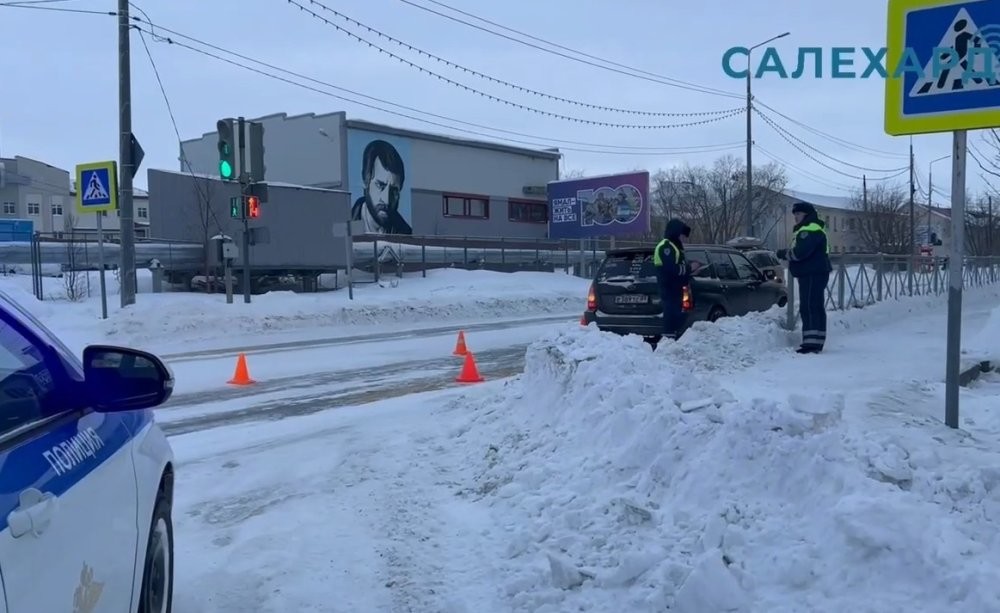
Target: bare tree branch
x=712, y=200
x=882, y=227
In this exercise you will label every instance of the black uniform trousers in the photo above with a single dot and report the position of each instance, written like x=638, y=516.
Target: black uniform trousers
x=672, y=301
x=812, y=308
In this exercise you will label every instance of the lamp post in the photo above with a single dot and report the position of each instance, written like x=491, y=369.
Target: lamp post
x=749, y=211
x=930, y=192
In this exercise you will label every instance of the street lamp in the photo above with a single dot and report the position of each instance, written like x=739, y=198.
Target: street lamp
x=930, y=192
x=749, y=212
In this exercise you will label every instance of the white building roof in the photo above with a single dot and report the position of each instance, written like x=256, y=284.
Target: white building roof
x=843, y=203
x=270, y=183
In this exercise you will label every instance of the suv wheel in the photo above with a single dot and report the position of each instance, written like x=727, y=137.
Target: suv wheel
x=158, y=571
x=716, y=314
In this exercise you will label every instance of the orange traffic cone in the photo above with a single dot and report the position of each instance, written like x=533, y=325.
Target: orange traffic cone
x=242, y=374
x=470, y=372
x=460, y=348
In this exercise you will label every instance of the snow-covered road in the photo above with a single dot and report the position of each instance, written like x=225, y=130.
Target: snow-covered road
x=502, y=496
x=343, y=511
x=309, y=376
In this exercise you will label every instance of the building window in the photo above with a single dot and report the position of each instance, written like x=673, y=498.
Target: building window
x=34, y=208
x=851, y=224
x=142, y=212
x=472, y=207
x=10, y=208
x=57, y=209
x=528, y=211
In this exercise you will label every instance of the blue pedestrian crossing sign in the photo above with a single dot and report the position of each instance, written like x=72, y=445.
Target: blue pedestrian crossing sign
x=96, y=187
x=942, y=65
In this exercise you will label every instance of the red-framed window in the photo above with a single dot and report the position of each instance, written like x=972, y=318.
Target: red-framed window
x=467, y=206
x=528, y=211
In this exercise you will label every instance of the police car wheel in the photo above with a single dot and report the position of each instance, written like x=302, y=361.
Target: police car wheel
x=158, y=572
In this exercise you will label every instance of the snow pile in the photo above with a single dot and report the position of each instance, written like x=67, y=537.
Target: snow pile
x=444, y=295
x=628, y=480
x=986, y=344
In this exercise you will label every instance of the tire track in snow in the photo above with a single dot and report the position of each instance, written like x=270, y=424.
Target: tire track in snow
x=271, y=400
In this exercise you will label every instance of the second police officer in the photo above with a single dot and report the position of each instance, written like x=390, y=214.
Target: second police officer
x=808, y=259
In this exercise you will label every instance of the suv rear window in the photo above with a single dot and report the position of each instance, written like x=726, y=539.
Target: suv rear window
x=629, y=265
x=763, y=259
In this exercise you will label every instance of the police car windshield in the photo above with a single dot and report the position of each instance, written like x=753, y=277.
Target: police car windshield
x=36, y=326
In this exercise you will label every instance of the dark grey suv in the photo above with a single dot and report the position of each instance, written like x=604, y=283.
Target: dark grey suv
x=624, y=297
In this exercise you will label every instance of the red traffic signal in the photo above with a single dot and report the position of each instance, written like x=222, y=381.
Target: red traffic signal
x=253, y=207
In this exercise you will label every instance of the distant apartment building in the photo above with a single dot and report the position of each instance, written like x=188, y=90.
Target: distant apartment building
x=839, y=213
x=846, y=223
x=44, y=195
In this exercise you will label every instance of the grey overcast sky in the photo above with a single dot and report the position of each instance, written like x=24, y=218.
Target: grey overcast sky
x=60, y=93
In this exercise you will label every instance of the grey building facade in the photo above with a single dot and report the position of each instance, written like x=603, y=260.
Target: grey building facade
x=299, y=221
x=447, y=186
x=37, y=192
x=45, y=195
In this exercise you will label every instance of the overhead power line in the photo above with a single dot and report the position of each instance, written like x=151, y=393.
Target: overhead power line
x=806, y=153
x=492, y=79
x=511, y=103
x=37, y=7
x=831, y=138
x=815, y=177
x=607, y=64
x=202, y=194
x=218, y=53
x=775, y=126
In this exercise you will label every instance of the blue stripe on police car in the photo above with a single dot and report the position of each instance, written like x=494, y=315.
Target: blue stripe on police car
x=65, y=455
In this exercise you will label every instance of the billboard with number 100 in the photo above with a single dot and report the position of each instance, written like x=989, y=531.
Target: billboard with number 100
x=612, y=205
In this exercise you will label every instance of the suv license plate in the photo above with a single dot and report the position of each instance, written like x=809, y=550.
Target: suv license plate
x=632, y=299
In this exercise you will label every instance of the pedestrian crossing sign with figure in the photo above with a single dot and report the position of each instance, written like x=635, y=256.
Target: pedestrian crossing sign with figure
x=96, y=187
x=942, y=66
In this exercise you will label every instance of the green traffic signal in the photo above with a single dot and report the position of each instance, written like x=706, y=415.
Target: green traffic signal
x=225, y=169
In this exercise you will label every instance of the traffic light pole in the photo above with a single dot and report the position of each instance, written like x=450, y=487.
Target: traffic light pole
x=244, y=192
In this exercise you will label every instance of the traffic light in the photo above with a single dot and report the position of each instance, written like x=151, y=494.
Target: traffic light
x=235, y=210
x=227, y=150
x=253, y=207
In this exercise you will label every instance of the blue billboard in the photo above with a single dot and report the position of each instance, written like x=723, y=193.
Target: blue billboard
x=377, y=165
x=613, y=205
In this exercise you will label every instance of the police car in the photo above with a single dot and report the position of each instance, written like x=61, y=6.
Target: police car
x=86, y=476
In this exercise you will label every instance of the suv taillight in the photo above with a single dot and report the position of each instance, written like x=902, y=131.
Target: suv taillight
x=687, y=303
x=591, y=299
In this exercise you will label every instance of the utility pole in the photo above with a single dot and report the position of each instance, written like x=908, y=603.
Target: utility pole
x=913, y=223
x=913, y=217
x=126, y=166
x=930, y=195
x=989, y=216
x=930, y=199
x=749, y=211
x=244, y=192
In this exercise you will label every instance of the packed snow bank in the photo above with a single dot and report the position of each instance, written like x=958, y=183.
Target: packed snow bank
x=986, y=345
x=631, y=480
x=445, y=295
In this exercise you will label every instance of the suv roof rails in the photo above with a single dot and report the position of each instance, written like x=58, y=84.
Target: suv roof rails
x=649, y=249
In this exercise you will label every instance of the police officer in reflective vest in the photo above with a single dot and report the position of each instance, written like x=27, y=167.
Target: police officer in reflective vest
x=672, y=275
x=809, y=262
